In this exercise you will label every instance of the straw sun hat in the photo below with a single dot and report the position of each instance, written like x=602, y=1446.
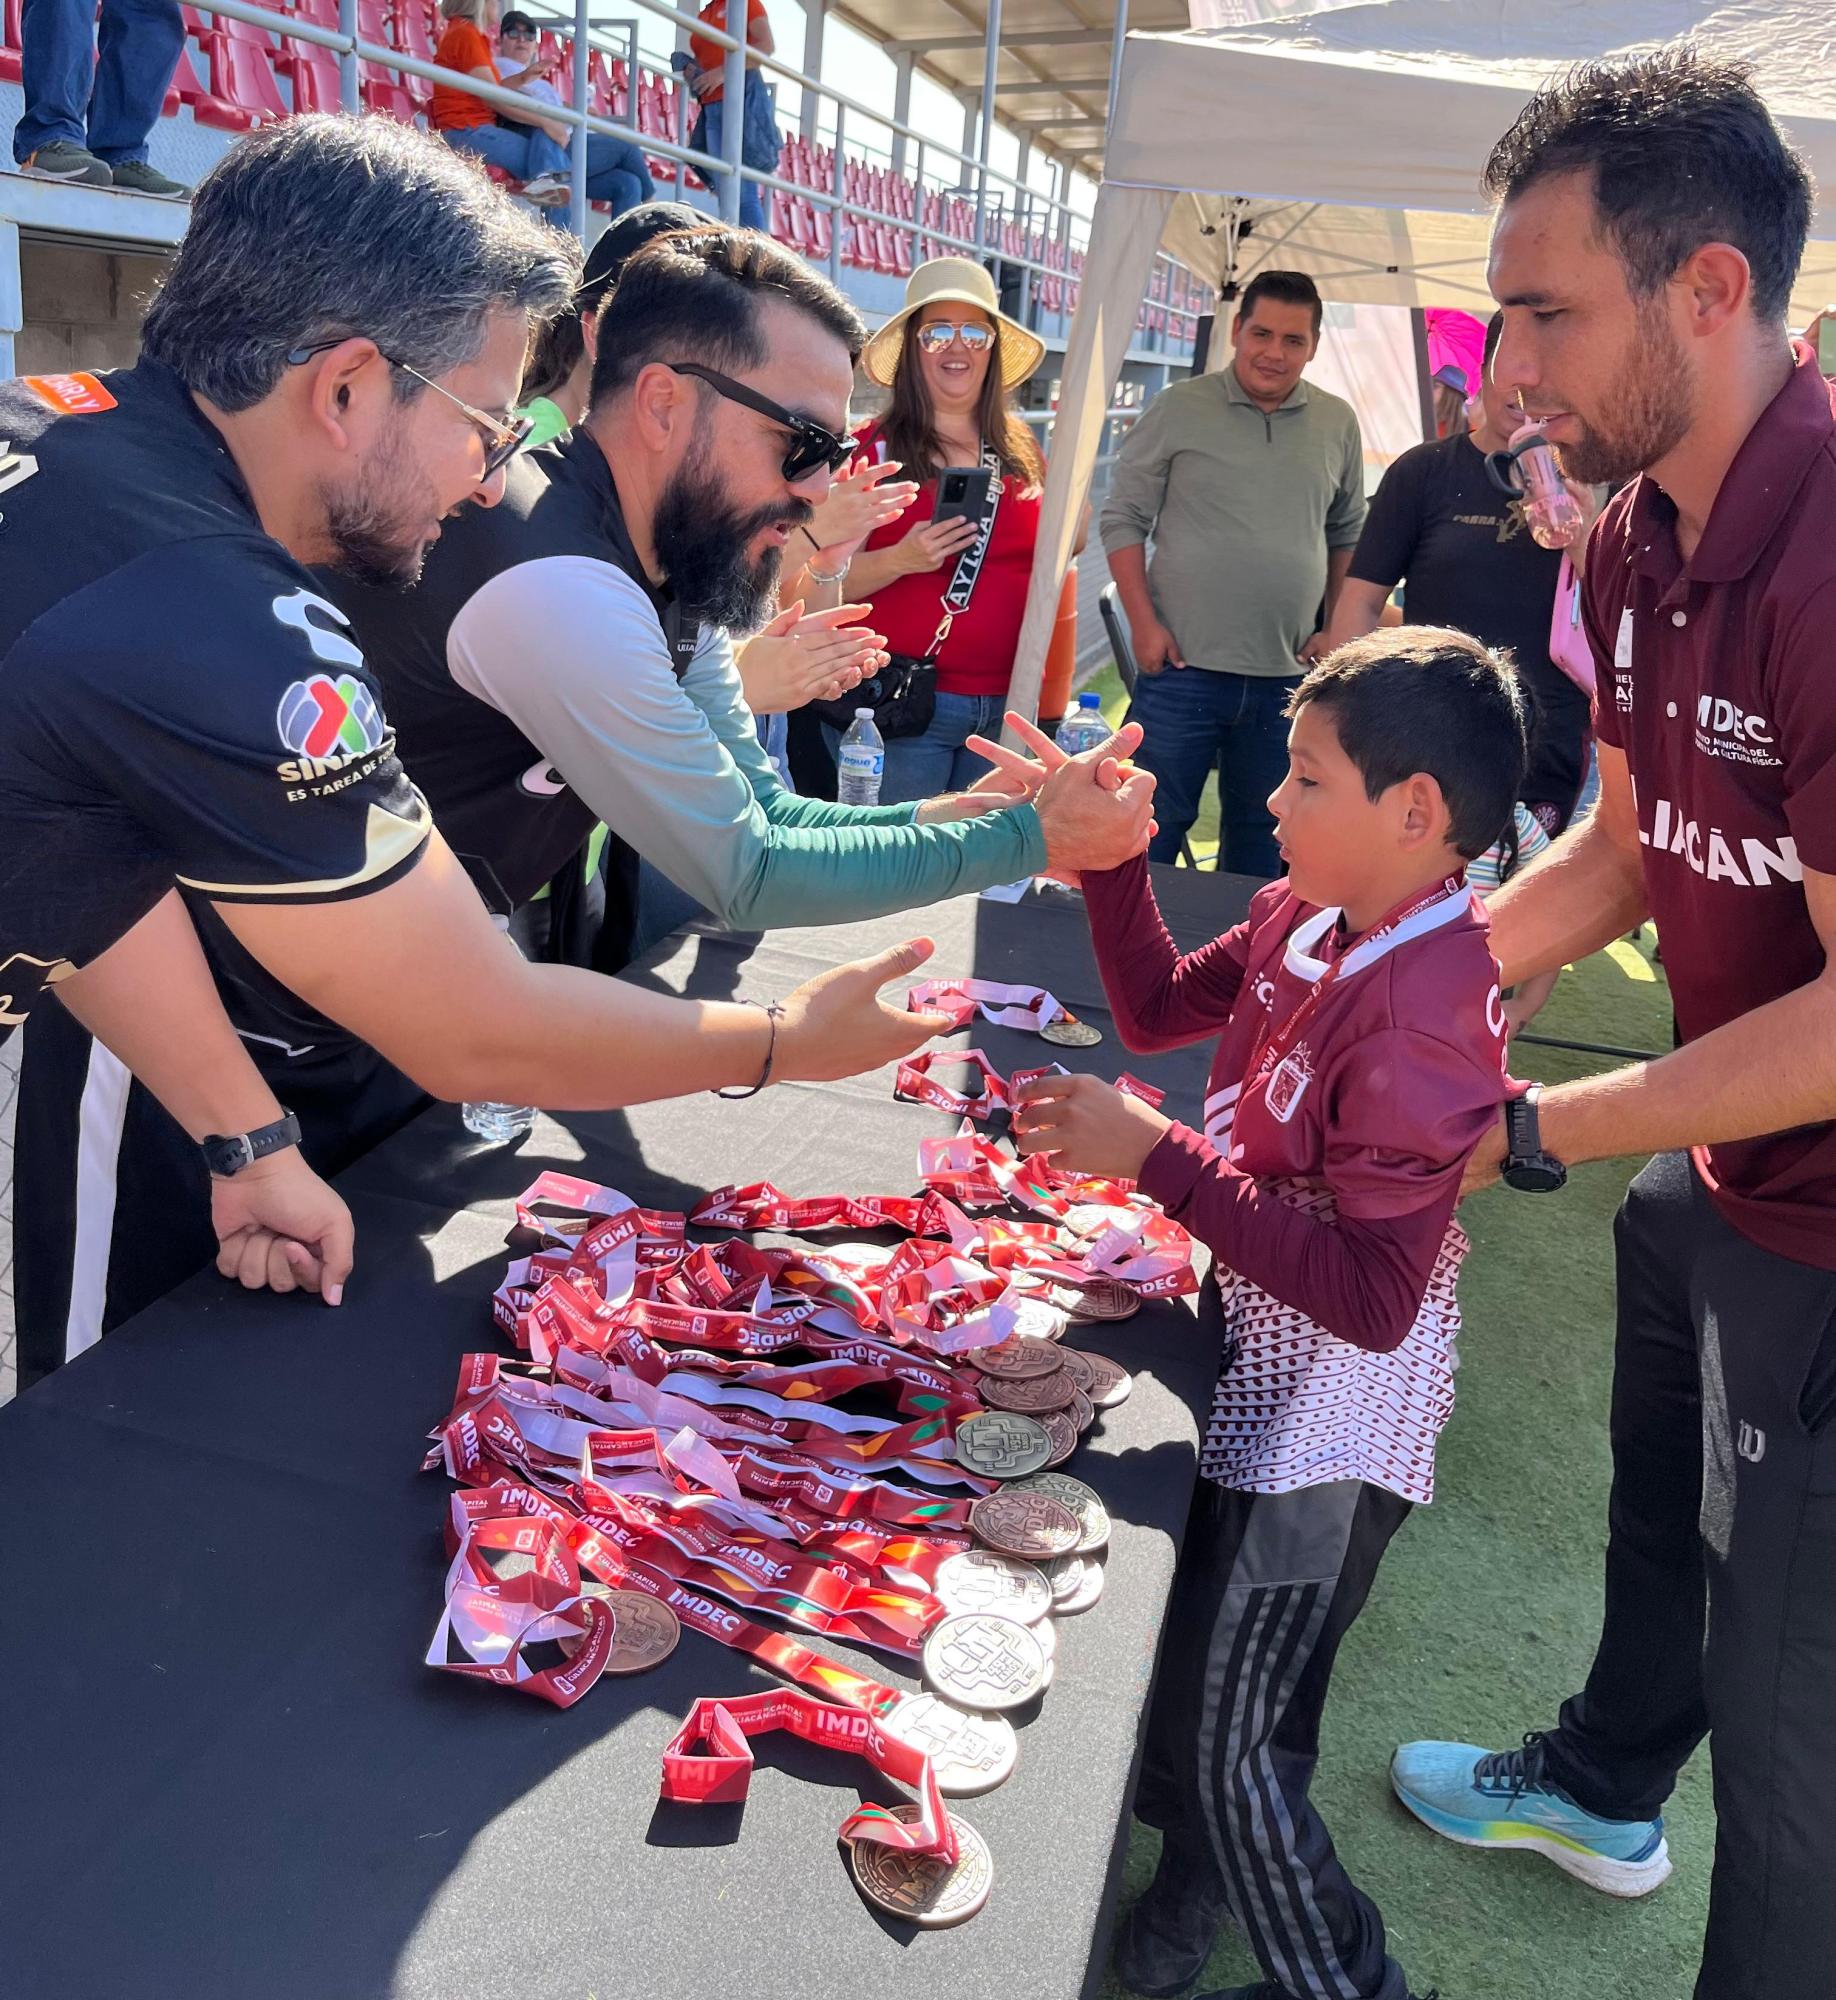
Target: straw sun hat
x=952, y=281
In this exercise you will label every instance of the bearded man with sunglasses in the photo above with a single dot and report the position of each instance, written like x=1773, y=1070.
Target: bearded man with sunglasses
x=192, y=738
x=566, y=659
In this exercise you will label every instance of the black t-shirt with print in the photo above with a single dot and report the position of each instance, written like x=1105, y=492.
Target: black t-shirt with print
x=1460, y=549
x=182, y=704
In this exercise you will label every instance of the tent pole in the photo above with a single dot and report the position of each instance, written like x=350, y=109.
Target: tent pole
x=1115, y=63
x=1424, y=387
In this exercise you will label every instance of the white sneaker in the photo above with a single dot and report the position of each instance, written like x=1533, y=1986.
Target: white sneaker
x=548, y=190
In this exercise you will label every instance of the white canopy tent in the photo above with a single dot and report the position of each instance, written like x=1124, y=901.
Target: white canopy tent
x=1348, y=144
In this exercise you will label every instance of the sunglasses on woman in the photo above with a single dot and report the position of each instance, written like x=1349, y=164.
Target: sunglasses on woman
x=502, y=441
x=936, y=335
x=812, y=445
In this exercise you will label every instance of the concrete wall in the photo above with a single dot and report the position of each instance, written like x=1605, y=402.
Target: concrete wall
x=83, y=307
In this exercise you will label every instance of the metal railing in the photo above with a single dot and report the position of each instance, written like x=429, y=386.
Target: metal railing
x=1043, y=219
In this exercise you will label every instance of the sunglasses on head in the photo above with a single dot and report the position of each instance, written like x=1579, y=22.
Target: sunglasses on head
x=936, y=335
x=502, y=441
x=812, y=444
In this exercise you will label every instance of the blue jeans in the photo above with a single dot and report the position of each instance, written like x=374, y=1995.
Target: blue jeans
x=616, y=172
x=751, y=208
x=1195, y=718
x=922, y=766
x=100, y=89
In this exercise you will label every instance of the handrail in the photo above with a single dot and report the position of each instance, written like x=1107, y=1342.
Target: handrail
x=1036, y=212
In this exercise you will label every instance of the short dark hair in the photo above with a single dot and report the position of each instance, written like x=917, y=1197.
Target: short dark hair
x=1289, y=288
x=694, y=296
x=1415, y=698
x=322, y=227
x=1680, y=151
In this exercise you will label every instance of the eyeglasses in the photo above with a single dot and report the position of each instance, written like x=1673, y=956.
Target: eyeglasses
x=814, y=445
x=936, y=335
x=503, y=441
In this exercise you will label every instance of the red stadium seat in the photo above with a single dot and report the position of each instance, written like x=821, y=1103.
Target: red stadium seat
x=12, y=39
x=313, y=71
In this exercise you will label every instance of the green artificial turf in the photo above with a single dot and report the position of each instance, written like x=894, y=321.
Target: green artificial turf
x=1485, y=1612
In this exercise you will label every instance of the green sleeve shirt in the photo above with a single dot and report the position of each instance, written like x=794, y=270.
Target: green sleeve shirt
x=1242, y=506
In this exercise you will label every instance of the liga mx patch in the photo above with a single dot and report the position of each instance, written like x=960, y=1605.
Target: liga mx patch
x=70, y=395
x=325, y=717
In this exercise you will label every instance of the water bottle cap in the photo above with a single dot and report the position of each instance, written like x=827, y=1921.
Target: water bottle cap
x=867, y=712
x=1090, y=701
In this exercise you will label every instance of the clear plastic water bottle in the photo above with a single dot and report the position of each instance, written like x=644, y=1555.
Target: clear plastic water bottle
x=1084, y=727
x=487, y=1119
x=862, y=762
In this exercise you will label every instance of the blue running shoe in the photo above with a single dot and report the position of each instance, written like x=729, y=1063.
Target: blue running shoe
x=1500, y=1798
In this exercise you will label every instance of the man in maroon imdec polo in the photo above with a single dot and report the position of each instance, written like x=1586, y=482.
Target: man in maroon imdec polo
x=1652, y=224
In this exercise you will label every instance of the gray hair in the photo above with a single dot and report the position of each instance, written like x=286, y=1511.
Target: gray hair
x=324, y=227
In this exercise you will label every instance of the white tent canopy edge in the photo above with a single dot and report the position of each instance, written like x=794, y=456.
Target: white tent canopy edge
x=1357, y=164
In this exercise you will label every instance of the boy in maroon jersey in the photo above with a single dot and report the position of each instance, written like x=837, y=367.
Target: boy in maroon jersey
x=1360, y=1060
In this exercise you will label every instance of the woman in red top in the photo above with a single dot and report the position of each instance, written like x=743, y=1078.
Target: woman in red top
x=950, y=358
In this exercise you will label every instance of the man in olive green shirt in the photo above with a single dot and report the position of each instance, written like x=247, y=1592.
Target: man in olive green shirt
x=1250, y=483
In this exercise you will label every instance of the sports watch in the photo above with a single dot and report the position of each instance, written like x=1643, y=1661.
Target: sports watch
x=1527, y=1167
x=225, y=1157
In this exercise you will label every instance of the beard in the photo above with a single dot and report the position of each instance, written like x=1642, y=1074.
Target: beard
x=367, y=524
x=1648, y=414
x=701, y=540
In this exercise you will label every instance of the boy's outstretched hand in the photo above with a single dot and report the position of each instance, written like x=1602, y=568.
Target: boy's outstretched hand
x=1086, y=1125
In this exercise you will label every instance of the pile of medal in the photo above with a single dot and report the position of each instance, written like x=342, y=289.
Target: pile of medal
x=860, y=1443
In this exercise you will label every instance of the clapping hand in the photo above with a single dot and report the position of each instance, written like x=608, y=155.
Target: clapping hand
x=804, y=656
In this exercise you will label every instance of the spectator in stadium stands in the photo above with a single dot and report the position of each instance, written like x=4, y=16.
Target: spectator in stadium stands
x=706, y=76
x=1250, y=483
x=635, y=547
x=1439, y=526
x=617, y=172
x=522, y=148
x=952, y=359
x=326, y=376
x=93, y=93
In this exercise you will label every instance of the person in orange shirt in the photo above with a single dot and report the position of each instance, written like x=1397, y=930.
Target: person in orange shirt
x=707, y=78
x=525, y=148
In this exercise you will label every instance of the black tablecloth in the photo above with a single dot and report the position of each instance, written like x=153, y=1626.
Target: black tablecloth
x=227, y=1771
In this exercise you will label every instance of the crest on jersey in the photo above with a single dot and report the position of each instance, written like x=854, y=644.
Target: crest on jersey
x=327, y=716
x=1288, y=1085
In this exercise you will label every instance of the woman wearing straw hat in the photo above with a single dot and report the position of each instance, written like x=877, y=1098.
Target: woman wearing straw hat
x=951, y=358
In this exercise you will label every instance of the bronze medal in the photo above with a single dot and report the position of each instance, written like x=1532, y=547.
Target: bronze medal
x=1030, y=1394
x=1017, y=1357
x=1001, y=1444
x=1029, y=1522
x=921, y=1888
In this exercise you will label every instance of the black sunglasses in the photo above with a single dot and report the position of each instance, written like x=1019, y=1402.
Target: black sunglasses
x=813, y=446
x=503, y=441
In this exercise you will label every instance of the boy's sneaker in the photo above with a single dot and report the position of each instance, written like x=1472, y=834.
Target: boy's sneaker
x=139, y=178
x=1500, y=1798
x=1263, y=1990
x=61, y=161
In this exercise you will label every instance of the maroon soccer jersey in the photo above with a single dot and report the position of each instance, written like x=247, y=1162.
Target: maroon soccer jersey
x=1381, y=1078
x=1717, y=679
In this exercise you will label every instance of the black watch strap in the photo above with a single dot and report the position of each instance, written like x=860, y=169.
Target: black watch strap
x=1527, y=1167
x=227, y=1156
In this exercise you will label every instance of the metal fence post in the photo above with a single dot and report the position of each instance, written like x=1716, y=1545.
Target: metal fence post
x=733, y=113
x=838, y=180
x=577, y=194
x=348, y=96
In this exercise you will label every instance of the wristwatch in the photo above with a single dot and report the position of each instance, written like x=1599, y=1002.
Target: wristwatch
x=225, y=1157
x=1527, y=1167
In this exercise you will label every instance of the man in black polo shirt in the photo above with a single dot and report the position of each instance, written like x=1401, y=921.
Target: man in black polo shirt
x=1652, y=226
x=1440, y=527
x=327, y=373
